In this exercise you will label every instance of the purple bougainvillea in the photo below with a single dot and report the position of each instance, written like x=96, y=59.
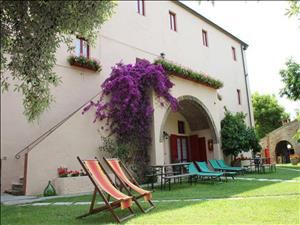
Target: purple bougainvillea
x=128, y=108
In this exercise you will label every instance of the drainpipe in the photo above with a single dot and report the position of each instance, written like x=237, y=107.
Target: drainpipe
x=243, y=47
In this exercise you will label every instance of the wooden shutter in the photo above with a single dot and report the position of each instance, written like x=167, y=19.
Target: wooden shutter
x=202, y=149
x=194, y=147
x=173, y=148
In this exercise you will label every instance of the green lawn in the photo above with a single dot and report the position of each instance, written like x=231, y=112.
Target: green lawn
x=289, y=166
x=285, y=172
x=260, y=203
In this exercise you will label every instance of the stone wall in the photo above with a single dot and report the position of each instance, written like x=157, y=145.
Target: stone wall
x=284, y=133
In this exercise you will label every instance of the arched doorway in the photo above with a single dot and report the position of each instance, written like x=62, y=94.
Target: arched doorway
x=188, y=134
x=283, y=150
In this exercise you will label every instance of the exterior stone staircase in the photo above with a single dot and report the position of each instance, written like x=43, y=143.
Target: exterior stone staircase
x=17, y=188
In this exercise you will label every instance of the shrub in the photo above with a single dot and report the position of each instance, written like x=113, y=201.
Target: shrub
x=236, y=136
x=128, y=110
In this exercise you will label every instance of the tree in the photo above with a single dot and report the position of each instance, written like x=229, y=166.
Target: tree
x=268, y=114
x=297, y=135
x=253, y=140
x=294, y=9
x=291, y=79
x=31, y=32
x=236, y=136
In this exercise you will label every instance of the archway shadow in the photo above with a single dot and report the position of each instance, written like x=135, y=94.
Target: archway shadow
x=204, y=191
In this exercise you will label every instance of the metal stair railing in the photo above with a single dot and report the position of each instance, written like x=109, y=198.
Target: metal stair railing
x=29, y=147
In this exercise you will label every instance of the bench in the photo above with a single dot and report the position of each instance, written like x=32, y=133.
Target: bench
x=167, y=178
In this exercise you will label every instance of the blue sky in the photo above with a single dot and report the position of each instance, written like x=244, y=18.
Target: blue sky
x=272, y=37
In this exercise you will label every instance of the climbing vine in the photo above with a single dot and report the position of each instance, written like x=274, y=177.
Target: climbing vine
x=129, y=110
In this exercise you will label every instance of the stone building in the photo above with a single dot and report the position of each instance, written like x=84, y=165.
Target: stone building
x=281, y=143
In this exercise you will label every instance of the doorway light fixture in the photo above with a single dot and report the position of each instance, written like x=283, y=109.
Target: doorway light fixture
x=165, y=135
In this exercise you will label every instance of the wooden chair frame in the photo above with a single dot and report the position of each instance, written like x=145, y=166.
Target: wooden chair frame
x=129, y=191
x=108, y=206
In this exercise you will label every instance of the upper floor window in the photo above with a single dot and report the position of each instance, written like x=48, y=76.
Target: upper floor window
x=141, y=7
x=233, y=53
x=239, y=96
x=204, y=38
x=82, y=48
x=181, y=129
x=173, y=21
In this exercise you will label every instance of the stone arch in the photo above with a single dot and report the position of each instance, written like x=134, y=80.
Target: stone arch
x=202, y=110
x=283, y=149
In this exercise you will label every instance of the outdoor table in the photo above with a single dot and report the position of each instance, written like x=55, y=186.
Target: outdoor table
x=267, y=163
x=161, y=170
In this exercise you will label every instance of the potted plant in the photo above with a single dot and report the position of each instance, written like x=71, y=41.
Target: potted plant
x=62, y=172
x=84, y=62
x=74, y=173
x=295, y=158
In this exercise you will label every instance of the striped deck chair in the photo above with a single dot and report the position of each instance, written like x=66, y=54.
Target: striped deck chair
x=103, y=184
x=129, y=183
x=204, y=168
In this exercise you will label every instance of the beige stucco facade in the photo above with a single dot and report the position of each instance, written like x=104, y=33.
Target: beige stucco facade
x=125, y=37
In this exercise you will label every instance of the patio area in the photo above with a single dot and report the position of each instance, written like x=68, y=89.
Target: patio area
x=259, y=200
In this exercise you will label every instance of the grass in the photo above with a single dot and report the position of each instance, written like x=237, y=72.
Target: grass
x=289, y=166
x=278, y=203
x=286, y=172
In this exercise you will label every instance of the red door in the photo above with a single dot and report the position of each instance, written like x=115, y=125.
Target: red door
x=179, y=148
x=198, y=148
x=202, y=149
x=194, y=144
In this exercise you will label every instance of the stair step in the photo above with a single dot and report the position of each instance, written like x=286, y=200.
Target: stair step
x=21, y=180
x=17, y=187
x=14, y=192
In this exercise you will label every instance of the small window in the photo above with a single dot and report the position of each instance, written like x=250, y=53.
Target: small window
x=141, y=7
x=204, y=38
x=82, y=48
x=239, y=96
x=181, y=127
x=173, y=21
x=233, y=53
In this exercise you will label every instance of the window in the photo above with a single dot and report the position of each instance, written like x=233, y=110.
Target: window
x=239, y=96
x=179, y=148
x=233, y=53
x=181, y=127
x=141, y=7
x=173, y=21
x=82, y=48
x=204, y=38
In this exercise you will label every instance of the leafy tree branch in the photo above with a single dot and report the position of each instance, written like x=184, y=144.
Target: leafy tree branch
x=31, y=32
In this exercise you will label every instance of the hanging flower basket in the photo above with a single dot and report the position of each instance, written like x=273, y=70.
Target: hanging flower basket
x=84, y=62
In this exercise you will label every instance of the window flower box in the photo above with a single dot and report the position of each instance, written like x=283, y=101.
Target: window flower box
x=73, y=185
x=84, y=62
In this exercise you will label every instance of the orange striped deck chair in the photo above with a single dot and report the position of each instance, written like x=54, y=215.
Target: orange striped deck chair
x=103, y=184
x=129, y=183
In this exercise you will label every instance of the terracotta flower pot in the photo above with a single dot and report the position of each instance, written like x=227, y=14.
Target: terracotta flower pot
x=294, y=161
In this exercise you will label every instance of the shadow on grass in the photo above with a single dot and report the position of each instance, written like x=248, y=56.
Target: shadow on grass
x=66, y=214
x=205, y=191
